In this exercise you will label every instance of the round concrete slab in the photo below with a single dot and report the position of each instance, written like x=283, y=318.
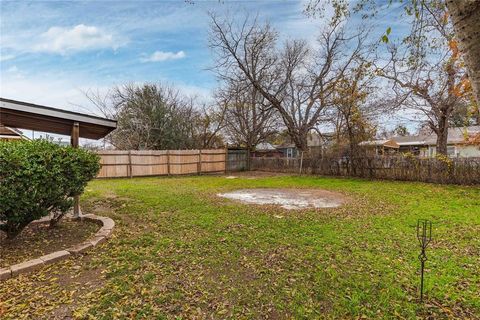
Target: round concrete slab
x=288, y=198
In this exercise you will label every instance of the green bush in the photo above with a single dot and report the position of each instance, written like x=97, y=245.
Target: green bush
x=38, y=178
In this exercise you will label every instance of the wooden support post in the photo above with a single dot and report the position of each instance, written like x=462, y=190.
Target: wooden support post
x=75, y=135
x=130, y=174
x=74, y=141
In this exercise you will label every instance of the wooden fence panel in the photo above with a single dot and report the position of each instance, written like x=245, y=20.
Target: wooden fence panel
x=114, y=164
x=213, y=160
x=183, y=161
x=134, y=163
x=149, y=163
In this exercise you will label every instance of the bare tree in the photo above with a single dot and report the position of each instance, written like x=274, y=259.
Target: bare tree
x=431, y=21
x=249, y=117
x=156, y=117
x=355, y=105
x=296, y=80
x=210, y=122
x=426, y=71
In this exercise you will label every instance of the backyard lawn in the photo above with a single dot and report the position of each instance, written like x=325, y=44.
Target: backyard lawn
x=181, y=252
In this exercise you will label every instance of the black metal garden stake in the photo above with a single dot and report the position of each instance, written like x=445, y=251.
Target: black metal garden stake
x=424, y=236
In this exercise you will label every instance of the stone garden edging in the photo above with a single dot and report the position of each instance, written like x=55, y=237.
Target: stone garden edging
x=101, y=236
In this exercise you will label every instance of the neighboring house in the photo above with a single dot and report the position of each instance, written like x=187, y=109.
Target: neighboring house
x=266, y=150
x=288, y=150
x=415, y=145
x=317, y=144
x=424, y=145
x=380, y=147
x=11, y=134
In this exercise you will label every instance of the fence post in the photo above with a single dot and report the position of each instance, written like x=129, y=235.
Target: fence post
x=168, y=162
x=130, y=174
x=301, y=162
x=225, y=159
x=199, y=163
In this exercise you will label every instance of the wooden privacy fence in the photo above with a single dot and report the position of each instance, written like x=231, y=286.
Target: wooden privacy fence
x=455, y=170
x=133, y=163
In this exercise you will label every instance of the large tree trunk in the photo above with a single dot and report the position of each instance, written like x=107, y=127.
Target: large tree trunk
x=249, y=159
x=301, y=141
x=442, y=135
x=351, y=142
x=465, y=16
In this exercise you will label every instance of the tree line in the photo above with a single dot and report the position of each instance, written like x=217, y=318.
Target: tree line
x=345, y=80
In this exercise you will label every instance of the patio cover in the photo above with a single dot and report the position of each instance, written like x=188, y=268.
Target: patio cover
x=24, y=115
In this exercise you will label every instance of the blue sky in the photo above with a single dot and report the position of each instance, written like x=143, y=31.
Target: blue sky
x=51, y=51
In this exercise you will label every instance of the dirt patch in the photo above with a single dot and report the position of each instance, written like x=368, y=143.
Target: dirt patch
x=292, y=199
x=38, y=239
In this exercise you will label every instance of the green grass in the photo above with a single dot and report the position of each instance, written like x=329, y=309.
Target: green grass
x=181, y=252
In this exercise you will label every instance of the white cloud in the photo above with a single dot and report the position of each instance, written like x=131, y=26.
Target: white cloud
x=164, y=56
x=6, y=57
x=78, y=38
x=12, y=69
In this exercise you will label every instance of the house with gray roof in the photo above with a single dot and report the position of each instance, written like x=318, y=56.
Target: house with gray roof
x=425, y=145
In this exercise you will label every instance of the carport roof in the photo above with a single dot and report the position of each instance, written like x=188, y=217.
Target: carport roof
x=24, y=115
